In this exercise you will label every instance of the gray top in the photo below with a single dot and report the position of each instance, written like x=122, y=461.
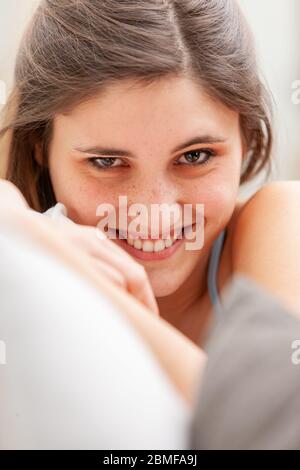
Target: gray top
x=213, y=271
x=248, y=395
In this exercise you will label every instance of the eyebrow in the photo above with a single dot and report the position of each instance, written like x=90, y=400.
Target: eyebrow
x=98, y=150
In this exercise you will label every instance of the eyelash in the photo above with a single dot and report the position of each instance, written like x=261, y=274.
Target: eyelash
x=209, y=155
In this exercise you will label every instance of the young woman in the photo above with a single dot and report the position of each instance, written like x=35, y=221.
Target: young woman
x=160, y=101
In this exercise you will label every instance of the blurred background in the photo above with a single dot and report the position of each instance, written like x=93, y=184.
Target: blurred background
x=276, y=28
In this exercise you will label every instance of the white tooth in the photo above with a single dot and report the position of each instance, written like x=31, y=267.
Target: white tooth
x=130, y=241
x=159, y=245
x=168, y=243
x=122, y=233
x=148, y=246
x=188, y=230
x=138, y=244
x=177, y=234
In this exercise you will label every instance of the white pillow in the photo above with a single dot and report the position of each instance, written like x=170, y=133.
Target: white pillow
x=77, y=374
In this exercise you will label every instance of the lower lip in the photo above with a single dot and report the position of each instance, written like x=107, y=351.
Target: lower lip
x=151, y=256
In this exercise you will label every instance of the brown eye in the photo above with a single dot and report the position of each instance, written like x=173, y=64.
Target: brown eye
x=104, y=163
x=196, y=157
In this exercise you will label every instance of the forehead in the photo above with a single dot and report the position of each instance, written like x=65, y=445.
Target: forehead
x=169, y=106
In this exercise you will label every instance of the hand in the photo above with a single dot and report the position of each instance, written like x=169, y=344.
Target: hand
x=111, y=260
x=103, y=254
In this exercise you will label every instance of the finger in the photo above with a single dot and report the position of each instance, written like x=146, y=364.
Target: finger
x=142, y=293
x=141, y=288
x=133, y=272
x=113, y=274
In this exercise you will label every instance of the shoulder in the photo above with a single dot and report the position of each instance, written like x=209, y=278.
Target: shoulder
x=265, y=241
x=266, y=212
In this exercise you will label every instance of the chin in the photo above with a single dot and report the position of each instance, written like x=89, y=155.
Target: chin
x=164, y=285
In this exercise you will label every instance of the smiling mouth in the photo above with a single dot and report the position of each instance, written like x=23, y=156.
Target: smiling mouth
x=148, y=249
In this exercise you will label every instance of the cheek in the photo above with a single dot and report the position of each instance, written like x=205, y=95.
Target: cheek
x=79, y=192
x=218, y=195
x=220, y=204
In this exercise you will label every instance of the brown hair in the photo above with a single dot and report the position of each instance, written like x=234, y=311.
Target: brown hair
x=73, y=49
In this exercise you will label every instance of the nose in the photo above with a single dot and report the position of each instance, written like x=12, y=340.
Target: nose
x=156, y=190
x=156, y=203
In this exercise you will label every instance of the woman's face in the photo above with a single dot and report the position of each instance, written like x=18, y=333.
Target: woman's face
x=152, y=125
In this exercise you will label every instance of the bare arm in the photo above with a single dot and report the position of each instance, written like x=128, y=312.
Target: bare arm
x=266, y=241
x=179, y=357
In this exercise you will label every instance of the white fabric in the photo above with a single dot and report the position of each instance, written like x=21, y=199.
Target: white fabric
x=78, y=376
x=59, y=211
